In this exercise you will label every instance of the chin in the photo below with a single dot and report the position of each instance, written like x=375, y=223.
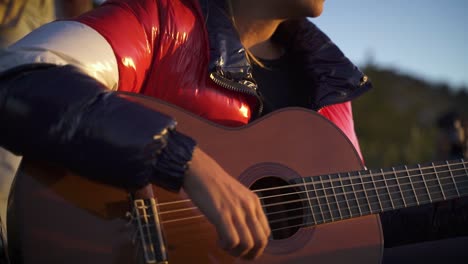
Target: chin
x=317, y=12
x=314, y=8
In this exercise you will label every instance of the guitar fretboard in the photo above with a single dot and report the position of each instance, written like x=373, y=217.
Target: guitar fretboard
x=342, y=196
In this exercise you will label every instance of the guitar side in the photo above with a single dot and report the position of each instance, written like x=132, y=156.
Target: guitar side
x=56, y=216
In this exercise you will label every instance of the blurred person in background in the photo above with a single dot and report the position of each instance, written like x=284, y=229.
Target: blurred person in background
x=453, y=138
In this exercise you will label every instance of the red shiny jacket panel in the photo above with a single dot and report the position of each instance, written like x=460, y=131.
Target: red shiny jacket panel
x=162, y=51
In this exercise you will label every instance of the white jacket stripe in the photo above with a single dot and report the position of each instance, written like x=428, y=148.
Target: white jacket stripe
x=62, y=43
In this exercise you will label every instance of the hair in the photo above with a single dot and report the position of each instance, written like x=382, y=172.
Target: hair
x=250, y=57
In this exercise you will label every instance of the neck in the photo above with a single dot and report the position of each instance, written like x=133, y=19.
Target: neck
x=255, y=32
x=346, y=195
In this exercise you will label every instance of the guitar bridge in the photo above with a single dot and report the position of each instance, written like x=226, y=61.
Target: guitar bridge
x=149, y=231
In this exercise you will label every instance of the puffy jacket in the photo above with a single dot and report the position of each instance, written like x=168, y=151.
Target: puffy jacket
x=184, y=52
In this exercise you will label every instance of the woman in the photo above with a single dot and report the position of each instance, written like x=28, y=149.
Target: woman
x=191, y=53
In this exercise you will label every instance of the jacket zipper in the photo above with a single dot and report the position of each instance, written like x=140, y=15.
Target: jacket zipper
x=240, y=88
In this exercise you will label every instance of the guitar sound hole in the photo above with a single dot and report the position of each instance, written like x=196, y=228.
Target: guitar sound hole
x=282, y=205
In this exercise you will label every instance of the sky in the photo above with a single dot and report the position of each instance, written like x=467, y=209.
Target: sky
x=424, y=38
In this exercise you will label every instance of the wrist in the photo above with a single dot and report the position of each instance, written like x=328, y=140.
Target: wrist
x=173, y=161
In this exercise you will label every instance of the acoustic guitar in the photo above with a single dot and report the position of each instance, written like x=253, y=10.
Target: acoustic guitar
x=321, y=204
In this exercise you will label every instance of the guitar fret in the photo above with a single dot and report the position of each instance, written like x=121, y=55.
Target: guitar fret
x=399, y=187
x=459, y=172
x=326, y=199
x=355, y=195
x=464, y=166
x=392, y=189
x=381, y=190
x=345, y=198
x=336, y=198
x=309, y=200
x=412, y=185
x=376, y=190
x=365, y=193
x=425, y=183
x=317, y=196
x=453, y=179
x=438, y=180
x=388, y=190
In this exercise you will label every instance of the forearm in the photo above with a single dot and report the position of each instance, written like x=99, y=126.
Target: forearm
x=61, y=115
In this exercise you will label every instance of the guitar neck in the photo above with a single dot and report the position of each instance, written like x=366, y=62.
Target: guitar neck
x=342, y=196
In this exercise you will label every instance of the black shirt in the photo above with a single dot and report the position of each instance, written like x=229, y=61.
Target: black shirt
x=280, y=85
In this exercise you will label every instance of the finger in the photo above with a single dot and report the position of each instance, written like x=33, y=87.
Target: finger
x=228, y=236
x=263, y=219
x=260, y=237
x=246, y=242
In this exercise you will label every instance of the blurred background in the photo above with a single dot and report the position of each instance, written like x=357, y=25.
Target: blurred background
x=415, y=53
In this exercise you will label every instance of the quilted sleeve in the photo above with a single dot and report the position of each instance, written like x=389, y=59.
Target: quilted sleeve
x=61, y=115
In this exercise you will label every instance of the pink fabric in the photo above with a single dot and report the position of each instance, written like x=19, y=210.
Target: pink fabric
x=342, y=116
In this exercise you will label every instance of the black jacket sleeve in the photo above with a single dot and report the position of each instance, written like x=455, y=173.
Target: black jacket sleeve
x=61, y=115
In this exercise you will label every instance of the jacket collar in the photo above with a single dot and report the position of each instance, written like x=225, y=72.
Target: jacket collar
x=332, y=75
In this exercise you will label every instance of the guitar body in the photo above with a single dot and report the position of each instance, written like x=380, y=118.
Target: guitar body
x=56, y=216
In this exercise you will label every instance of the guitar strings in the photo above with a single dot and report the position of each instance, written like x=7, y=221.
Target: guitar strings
x=401, y=192
x=358, y=206
x=370, y=174
x=356, y=177
x=312, y=223
x=370, y=205
x=338, y=210
x=323, y=189
x=320, y=206
x=332, y=219
x=334, y=195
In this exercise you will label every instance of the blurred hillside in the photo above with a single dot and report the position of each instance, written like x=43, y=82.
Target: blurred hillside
x=397, y=120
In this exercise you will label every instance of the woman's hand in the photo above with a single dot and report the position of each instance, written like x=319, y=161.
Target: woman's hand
x=235, y=211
